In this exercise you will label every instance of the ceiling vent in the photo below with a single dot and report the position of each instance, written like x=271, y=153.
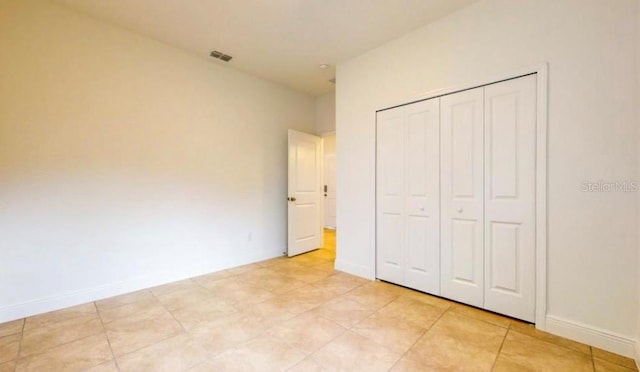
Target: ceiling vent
x=221, y=56
x=333, y=80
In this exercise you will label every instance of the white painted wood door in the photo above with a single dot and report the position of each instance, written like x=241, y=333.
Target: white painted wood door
x=390, y=195
x=510, y=178
x=329, y=167
x=305, y=193
x=408, y=200
x=422, y=208
x=462, y=196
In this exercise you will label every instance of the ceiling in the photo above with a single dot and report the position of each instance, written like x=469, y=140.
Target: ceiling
x=284, y=41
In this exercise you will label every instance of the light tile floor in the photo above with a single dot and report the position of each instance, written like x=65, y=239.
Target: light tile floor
x=293, y=314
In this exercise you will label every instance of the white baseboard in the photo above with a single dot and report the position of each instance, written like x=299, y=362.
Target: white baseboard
x=354, y=269
x=73, y=298
x=603, y=339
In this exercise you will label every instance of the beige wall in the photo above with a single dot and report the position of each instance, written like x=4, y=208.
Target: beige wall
x=590, y=46
x=326, y=113
x=329, y=144
x=125, y=163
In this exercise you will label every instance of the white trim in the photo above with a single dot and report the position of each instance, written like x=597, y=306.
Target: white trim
x=541, y=71
x=532, y=69
x=324, y=183
x=357, y=270
x=541, y=196
x=321, y=181
x=637, y=356
x=73, y=298
x=598, y=337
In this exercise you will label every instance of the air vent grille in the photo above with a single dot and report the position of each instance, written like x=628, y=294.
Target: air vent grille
x=221, y=56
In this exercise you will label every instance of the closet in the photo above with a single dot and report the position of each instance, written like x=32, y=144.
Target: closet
x=455, y=196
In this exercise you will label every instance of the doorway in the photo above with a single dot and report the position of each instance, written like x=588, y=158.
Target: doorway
x=311, y=196
x=329, y=180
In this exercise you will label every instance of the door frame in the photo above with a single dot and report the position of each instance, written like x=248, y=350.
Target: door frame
x=324, y=210
x=324, y=182
x=541, y=71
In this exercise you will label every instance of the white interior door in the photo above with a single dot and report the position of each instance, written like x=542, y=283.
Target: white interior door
x=390, y=195
x=462, y=191
x=305, y=193
x=330, y=190
x=510, y=166
x=422, y=153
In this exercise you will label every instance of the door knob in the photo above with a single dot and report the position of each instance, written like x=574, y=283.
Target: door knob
x=292, y=199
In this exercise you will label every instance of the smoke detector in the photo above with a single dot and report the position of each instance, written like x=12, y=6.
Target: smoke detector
x=221, y=56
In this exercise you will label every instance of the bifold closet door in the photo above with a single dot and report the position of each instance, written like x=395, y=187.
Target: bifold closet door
x=462, y=190
x=407, y=188
x=390, y=195
x=510, y=166
x=422, y=207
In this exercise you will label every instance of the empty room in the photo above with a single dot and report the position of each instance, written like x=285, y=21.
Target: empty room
x=319, y=185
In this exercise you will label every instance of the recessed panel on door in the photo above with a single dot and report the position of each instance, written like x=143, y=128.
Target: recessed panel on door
x=423, y=196
x=510, y=168
x=503, y=254
x=464, y=251
x=390, y=195
x=462, y=194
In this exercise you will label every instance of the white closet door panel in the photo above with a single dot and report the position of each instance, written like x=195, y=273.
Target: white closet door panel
x=390, y=189
x=462, y=196
x=510, y=151
x=423, y=196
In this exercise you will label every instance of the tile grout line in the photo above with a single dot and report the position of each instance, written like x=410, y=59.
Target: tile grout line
x=345, y=330
x=493, y=367
x=413, y=344
x=460, y=304
x=265, y=332
x=146, y=346
x=549, y=342
x=310, y=355
x=15, y=364
x=170, y=313
x=104, y=330
x=188, y=333
x=593, y=357
x=352, y=327
x=48, y=349
x=419, y=338
x=184, y=329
